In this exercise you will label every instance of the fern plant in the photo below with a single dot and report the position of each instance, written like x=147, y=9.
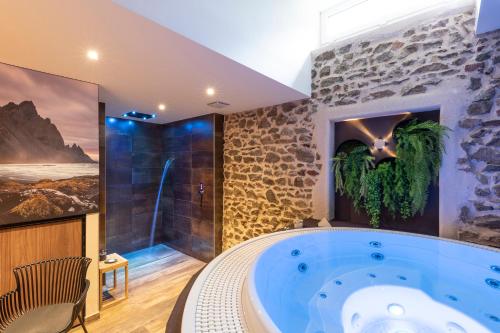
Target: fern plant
x=401, y=186
x=338, y=167
x=387, y=183
x=419, y=149
x=350, y=168
x=373, y=196
x=401, y=191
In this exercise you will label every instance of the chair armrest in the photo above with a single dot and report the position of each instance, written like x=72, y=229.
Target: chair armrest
x=81, y=300
x=10, y=309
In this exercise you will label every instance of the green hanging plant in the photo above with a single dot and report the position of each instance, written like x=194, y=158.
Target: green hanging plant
x=419, y=148
x=373, y=196
x=401, y=186
x=401, y=191
x=338, y=171
x=387, y=183
x=350, y=167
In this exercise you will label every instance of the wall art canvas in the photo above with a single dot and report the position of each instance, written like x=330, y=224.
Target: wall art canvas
x=49, y=146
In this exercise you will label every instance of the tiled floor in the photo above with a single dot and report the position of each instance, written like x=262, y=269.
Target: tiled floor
x=157, y=276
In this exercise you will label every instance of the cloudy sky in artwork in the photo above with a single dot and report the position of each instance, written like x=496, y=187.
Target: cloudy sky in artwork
x=71, y=105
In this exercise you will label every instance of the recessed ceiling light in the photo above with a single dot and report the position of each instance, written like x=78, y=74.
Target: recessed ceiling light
x=162, y=107
x=210, y=91
x=92, y=55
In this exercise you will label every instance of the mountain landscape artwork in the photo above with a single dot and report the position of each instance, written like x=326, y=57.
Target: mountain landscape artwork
x=49, y=146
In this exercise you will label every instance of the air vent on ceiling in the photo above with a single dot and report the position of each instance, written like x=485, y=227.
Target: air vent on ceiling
x=218, y=104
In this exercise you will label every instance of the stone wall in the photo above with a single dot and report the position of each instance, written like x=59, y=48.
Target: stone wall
x=416, y=60
x=270, y=168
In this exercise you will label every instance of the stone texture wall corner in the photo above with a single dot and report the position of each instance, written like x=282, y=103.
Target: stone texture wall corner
x=270, y=168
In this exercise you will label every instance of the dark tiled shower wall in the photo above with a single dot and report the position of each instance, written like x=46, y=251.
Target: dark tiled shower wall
x=133, y=173
x=135, y=157
x=191, y=223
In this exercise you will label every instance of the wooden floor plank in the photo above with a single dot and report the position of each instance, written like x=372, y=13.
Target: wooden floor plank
x=153, y=291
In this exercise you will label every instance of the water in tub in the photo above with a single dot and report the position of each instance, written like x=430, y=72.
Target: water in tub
x=372, y=282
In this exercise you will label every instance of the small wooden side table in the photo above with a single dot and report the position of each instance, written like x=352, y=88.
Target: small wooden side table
x=104, y=268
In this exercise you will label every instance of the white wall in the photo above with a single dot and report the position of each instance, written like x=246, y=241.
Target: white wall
x=274, y=37
x=487, y=15
x=347, y=19
x=92, y=251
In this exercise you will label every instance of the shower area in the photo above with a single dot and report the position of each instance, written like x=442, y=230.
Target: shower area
x=164, y=188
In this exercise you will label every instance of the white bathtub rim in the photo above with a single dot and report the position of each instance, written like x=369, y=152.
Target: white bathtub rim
x=188, y=318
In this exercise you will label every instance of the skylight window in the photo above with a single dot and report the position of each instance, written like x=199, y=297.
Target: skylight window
x=349, y=18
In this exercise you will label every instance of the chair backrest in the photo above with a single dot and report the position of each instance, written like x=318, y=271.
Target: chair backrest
x=9, y=309
x=51, y=281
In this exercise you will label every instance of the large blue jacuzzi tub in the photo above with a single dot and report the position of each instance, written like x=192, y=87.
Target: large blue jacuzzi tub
x=360, y=281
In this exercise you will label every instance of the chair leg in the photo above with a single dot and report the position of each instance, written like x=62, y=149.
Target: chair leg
x=82, y=323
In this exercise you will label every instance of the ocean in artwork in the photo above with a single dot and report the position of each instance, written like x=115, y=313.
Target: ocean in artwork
x=25, y=173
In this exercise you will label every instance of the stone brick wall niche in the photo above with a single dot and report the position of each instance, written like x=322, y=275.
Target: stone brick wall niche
x=436, y=64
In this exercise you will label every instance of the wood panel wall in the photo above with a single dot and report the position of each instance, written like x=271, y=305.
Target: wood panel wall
x=27, y=244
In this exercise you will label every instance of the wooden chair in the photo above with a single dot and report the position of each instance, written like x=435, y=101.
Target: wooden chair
x=49, y=297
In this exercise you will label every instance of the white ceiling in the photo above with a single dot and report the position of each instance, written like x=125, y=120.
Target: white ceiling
x=141, y=62
x=273, y=37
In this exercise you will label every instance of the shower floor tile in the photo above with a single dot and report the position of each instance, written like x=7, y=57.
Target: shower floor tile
x=148, y=255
